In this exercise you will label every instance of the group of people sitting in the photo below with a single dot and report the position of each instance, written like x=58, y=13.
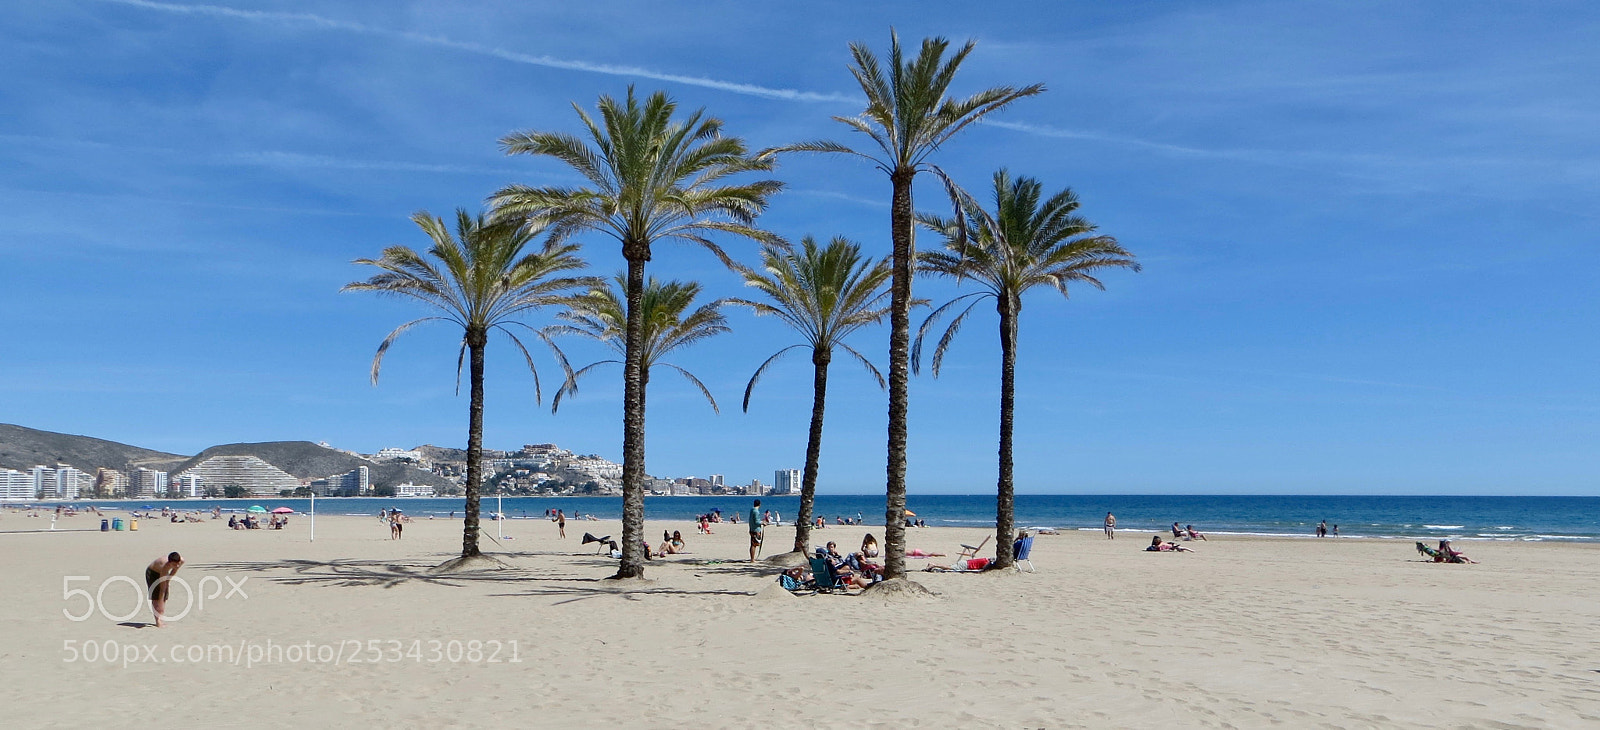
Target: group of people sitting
x=249, y=522
x=831, y=569
x=1186, y=532
x=1157, y=545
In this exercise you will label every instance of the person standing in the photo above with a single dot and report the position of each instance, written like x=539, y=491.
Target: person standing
x=755, y=530
x=1111, y=526
x=158, y=579
x=1322, y=528
x=561, y=523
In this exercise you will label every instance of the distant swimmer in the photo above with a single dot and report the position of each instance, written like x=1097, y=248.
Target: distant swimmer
x=158, y=579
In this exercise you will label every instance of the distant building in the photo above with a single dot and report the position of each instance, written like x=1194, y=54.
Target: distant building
x=354, y=483
x=16, y=486
x=716, y=480
x=394, y=454
x=110, y=483
x=412, y=490
x=70, y=481
x=191, y=485
x=785, y=481
x=144, y=482
x=250, y=472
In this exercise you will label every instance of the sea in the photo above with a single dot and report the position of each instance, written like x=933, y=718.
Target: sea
x=1362, y=517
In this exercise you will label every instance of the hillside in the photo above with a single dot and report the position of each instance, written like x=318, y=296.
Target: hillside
x=307, y=460
x=21, y=448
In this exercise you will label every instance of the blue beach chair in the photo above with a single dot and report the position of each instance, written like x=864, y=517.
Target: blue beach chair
x=1021, y=550
x=824, y=577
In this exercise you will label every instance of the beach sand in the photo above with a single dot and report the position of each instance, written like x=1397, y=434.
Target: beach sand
x=1243, y=633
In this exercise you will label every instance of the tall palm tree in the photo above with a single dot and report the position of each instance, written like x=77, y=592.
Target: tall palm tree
x=669, y=325
x=482, y=280
x=650, y=179
x=1024, y=243
x=825, y=294
x=908, y=116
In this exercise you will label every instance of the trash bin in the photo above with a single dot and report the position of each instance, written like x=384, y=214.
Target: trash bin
x=105, y=525
x=133, y=524
x=116, y=524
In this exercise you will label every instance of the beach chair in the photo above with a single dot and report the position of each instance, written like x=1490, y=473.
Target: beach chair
x=1021, y=551
x=824, y=578
x=971, y=551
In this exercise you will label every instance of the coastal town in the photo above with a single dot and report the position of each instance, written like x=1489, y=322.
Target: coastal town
x=303, y=469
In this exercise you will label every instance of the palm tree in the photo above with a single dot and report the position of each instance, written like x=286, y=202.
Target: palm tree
x=907, y=118
x=600, y=314
x=650, y=179
x=1023, y=244
x=481, y=280
x=825, y=294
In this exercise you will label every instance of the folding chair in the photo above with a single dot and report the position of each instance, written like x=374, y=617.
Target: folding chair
x=971, y=551
x=823, y=577
x=1020, y=552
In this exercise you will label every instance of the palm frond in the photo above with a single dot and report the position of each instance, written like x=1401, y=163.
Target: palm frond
x=756, y=377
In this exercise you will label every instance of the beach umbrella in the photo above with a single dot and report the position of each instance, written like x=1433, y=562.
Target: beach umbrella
x=256, y=508
x=282, y=511
x=910, y=513
x=148, y=506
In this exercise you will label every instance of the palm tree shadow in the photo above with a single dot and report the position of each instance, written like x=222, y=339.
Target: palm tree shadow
x=551, y=580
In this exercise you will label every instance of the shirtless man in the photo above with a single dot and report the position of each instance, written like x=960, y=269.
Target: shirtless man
x=1111, y=526
x=158, y=578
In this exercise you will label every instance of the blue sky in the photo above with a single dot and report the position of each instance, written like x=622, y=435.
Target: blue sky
x=1368, y=233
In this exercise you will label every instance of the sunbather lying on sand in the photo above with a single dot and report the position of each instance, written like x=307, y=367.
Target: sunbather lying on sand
x=1157, y=546
x=971, y=565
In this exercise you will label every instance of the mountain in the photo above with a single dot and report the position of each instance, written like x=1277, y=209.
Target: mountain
x=307, y=460
x=22, y=448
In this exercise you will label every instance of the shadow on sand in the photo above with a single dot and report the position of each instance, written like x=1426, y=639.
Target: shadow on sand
x=558, y=575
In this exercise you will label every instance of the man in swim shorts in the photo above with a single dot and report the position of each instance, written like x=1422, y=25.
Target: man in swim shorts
x=158, y=579
x=755, y=530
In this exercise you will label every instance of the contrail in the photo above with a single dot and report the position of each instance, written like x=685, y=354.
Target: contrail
x=318, y=21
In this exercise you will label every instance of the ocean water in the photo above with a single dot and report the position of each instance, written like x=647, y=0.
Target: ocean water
x=1411, y=518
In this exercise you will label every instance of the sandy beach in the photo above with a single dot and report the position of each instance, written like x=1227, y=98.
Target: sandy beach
x=1242, y=633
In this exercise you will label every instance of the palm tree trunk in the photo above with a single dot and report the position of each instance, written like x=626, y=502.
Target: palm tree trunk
x=633, y=421
x=1005, y=499
x=477, y=342
x=808, y=483
x=894, y=516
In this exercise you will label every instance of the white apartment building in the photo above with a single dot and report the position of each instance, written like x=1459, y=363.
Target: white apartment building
x=395, y=454
x=413, y=490
x=785, y=481
x=192, y=485
x=716, y=480
x=16, y=486
x=70, y=481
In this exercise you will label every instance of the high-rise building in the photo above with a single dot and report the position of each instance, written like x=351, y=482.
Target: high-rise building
x=16, y=486
x=147, y=483
x=716, y=480
x=70, y=481
x=192, y=485
x=110, y=483
x=44, y=481
x=785, y=481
